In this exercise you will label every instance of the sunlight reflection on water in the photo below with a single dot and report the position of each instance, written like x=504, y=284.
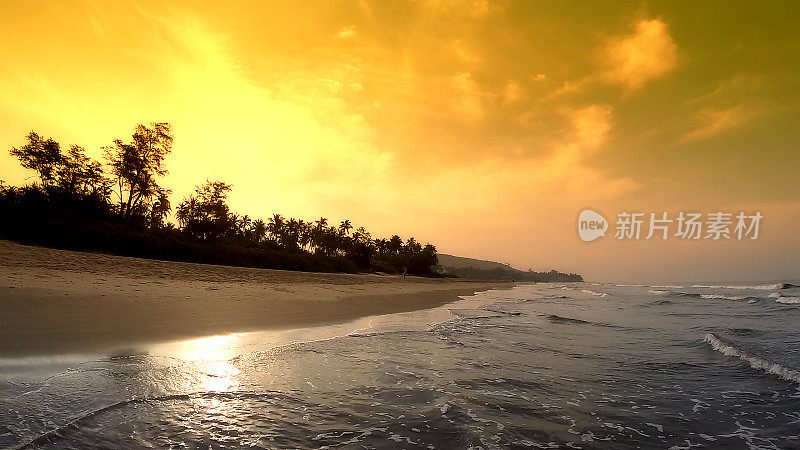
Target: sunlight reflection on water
x=212, y=361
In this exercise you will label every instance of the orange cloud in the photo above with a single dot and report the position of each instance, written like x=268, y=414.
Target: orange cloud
x=647, y=54
x=713, y=122
x=468, y=102
x=346, y=32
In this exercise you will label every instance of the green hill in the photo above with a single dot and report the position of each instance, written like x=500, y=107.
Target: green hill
x=478, y=269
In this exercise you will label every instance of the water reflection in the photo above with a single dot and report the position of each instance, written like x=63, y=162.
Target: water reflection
x=211, y=361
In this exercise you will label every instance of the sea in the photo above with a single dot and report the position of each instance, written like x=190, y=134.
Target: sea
x=576, y=365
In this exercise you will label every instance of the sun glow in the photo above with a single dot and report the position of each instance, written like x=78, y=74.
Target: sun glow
x=483, y=130
x=210, y=362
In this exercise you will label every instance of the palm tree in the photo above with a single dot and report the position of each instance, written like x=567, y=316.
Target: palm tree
x=275, y=226
x=259, y=230
x=395, y=244
x=345, y=227
x=306, y=234
x=362, y=235
x=242, y=225
x=292, y=234
x=186, y=210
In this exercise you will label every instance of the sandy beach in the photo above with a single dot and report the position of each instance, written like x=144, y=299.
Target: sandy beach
x=57, y=301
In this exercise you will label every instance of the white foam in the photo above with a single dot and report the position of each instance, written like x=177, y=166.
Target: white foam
x=754, y=361
x=760, y=287
x=658, y=292
x=596, y=294
x=787, y=300
x=721, y=297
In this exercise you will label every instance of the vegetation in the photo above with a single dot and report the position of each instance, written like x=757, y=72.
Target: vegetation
x=120, y=207
x=509, y=274
x=477, y=269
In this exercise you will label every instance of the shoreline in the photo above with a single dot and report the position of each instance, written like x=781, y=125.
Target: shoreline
x=58, y=301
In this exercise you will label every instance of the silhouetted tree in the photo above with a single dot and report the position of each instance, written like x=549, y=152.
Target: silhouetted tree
x=42, y=155
x=137, y=165
x=205, y=215
x=159, y=210
x=72, y=206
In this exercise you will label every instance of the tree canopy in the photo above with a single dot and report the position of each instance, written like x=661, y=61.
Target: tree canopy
x=79, y=202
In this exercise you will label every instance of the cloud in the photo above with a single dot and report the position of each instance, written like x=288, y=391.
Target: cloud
x=346, y=32
x=511, y=93
x=592, y=125
x=647, y=54
x=463, y=53
x=563, y=168
x=473, y=8
x=713, y=122
x=468, y=101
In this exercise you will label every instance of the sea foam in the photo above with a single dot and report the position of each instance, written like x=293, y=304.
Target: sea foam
x=754, y=361
x=759, y=287
x=596, y=294
x=721, y=297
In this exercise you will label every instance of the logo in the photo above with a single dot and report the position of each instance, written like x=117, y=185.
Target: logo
x=591, y=225
x=691, y=226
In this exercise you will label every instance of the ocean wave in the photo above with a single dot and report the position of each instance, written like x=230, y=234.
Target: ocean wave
x=704, y=296
x=674, y=293
x=759, y=287
x=754, y=361
x=571, y=320
x=596, y=294
x=47, y=437
x=722, y=297
x=657, y=302
x=559, y=319
x=787, y=299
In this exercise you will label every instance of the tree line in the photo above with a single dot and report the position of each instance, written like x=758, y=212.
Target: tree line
x=119, y=206
x=510, y=274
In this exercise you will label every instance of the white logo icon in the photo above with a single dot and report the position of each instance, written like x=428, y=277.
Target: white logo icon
x=591, y=225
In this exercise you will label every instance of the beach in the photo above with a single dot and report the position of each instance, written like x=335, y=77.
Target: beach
x=570, y=365
x=57, y=301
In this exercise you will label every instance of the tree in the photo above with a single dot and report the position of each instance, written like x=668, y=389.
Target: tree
x=73, y=173
x=345, y=227
x=275, y=227
x=362, y=235
x=395, y=244
x=79, y=174
x=205, y=215
x=138, y=165
x=42, y=155
x=159, y=210
x=259, y=230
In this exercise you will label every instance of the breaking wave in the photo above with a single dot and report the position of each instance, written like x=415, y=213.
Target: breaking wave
x=704, y=296
x=723, y=297
x=754, y=361
x=596, y=294
x=786, y=299
x=759, y=287
x=560, y=319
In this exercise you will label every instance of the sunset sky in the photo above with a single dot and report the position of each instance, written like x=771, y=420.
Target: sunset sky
x=481, y=127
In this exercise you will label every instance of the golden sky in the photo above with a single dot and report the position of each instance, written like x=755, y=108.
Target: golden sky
x=482, y=127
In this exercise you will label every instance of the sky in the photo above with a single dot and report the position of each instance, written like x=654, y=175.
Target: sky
x=481, y=127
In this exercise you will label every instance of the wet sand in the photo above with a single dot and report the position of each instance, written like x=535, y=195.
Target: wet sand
x=57, y=301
